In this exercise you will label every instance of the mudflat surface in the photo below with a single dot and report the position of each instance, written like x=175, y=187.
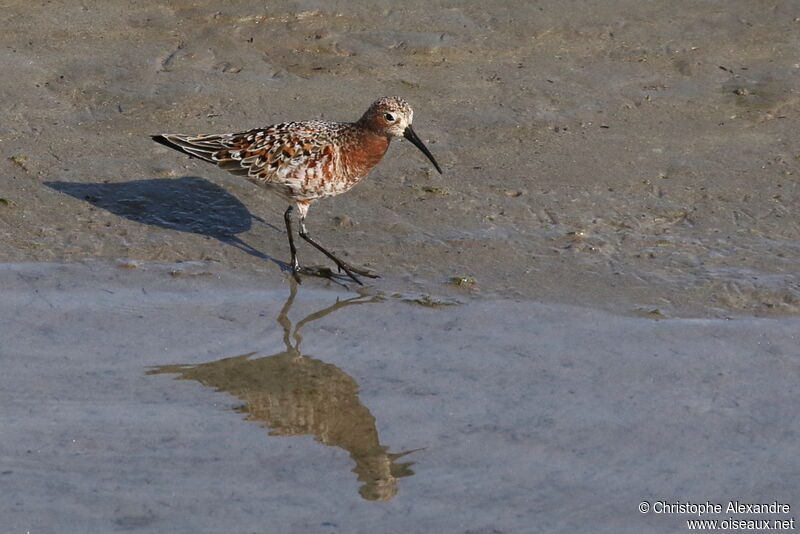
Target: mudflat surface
x=638, y=157
x=147, y=402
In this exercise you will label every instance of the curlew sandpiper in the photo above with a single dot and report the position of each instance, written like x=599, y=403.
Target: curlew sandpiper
x=306, y=161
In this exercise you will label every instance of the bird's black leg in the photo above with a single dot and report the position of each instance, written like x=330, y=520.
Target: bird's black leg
x=346, y=267
x=287, y=217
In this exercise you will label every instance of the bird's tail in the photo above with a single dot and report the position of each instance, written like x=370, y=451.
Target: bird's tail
x=204, y=147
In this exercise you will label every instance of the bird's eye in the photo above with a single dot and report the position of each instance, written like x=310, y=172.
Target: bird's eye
x=389, y=117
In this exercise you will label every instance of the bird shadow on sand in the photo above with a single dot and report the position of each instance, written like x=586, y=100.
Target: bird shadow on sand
x=187, y=204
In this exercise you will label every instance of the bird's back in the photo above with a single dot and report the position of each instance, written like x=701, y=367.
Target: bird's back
x=298, y=160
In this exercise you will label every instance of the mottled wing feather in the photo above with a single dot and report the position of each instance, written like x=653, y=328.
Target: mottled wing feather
x=185, y=143
x=265, y=155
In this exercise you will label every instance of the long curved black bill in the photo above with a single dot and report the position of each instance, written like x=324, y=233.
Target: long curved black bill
x=411, y=136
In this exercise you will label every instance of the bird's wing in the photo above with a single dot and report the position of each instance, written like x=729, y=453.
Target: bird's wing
x=263, y=153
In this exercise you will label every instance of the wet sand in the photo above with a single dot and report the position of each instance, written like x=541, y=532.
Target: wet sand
x=153, y=403
x=627, y=156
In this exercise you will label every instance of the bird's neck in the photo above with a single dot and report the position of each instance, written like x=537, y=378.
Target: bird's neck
x=364, y=150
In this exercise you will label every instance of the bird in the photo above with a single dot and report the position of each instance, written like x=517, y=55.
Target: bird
x=303, y=162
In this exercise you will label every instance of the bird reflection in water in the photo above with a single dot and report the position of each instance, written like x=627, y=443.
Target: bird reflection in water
x=294, y=394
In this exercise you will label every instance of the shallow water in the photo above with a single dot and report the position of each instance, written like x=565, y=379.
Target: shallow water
x=156, y=399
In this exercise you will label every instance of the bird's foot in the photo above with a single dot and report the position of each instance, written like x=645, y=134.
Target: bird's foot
x=296, y=274
x=363, y=272
x=315, y=270
x=318, y=271
x=326, y=272
x=349, y=270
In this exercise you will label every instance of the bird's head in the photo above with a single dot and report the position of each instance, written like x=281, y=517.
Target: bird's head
x=392, y=116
